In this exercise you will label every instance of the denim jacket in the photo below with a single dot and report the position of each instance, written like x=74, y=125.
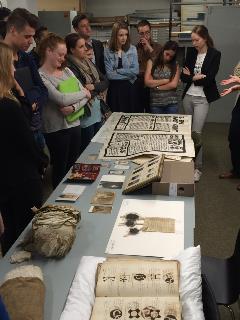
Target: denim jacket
x=130, y=64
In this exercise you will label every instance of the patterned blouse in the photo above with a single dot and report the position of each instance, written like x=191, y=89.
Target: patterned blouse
x=161, y=98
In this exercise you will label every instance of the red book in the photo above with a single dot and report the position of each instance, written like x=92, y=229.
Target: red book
x=84, y=172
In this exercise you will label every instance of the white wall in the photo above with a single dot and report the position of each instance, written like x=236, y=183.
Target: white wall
x=108, y=8
x=4, y=3
x=30, y=5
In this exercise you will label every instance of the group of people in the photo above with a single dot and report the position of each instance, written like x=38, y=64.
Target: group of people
x=53, y=96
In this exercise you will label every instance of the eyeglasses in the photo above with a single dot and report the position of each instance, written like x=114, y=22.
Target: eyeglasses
x=146, y=33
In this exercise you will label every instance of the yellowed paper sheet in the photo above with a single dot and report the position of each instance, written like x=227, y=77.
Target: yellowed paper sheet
x=129, y=278
x=136, y=308
x=151, y=244
x=165, y=225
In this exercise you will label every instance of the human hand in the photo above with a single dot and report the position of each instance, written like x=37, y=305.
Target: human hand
x=165, y=81
x=229, y=90
x=231, y=79
x=198, y=76
x=34, y=107
x=89, y=54
x=67, y=110
x=89, y=87
x=146, y=45
x=88, y=93
x=107, y=115
x=226, y=92
x=162, y=82
x=186, y=71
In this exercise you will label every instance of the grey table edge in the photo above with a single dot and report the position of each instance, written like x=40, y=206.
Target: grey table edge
x=93, y=233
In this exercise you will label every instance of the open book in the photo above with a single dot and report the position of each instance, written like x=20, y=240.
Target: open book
x=137, y=289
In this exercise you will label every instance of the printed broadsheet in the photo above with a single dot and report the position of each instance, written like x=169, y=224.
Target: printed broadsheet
x=130, y=135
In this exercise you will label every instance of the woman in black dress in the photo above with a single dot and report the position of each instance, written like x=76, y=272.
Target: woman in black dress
x=20, y=161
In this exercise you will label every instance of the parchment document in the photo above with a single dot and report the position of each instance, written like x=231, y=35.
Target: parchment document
x=128, y=145
x=136, y=308
x=138, y=278
x=137, y=289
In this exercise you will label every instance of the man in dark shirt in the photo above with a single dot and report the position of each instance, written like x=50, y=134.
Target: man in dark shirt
x=82, y=26
x=146, y=49
x=21, y=26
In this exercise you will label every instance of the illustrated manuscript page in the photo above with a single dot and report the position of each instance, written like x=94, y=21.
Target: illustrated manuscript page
x=137, y=288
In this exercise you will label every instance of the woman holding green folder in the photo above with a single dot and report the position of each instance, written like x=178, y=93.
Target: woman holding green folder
x=63, y=136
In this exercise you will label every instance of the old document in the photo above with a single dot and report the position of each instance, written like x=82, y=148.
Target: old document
x=136, y=308
x=180, y=124
x=136, y=278
x=128, y=145
x=132, y=122
x=129, y=237
x=137, y=289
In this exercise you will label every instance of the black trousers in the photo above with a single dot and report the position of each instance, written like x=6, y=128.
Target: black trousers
x=16, y=209
x=64, y=147
x=143, y=96
x=234, y=139
x=122, y=96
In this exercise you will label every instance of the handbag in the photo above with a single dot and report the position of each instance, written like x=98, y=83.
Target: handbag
x=105, y=109
x=71, y=85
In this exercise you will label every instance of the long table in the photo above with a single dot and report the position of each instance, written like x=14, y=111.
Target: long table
x=93, y=233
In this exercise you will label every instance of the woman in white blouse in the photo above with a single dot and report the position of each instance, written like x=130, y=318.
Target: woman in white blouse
x=201, y=66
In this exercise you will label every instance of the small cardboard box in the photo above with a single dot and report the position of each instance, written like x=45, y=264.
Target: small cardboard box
x=177, y=179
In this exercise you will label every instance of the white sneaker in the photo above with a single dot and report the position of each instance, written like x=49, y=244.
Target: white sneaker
x=197, y=175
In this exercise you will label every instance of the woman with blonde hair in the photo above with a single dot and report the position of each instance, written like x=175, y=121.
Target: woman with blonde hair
x=122, y=68
x=20, y=161
x=63, y=137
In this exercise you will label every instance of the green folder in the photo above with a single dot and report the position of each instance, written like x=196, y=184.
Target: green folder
x=71, y=85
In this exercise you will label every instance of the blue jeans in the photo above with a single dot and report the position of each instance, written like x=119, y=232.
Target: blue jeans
x=168, y=109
